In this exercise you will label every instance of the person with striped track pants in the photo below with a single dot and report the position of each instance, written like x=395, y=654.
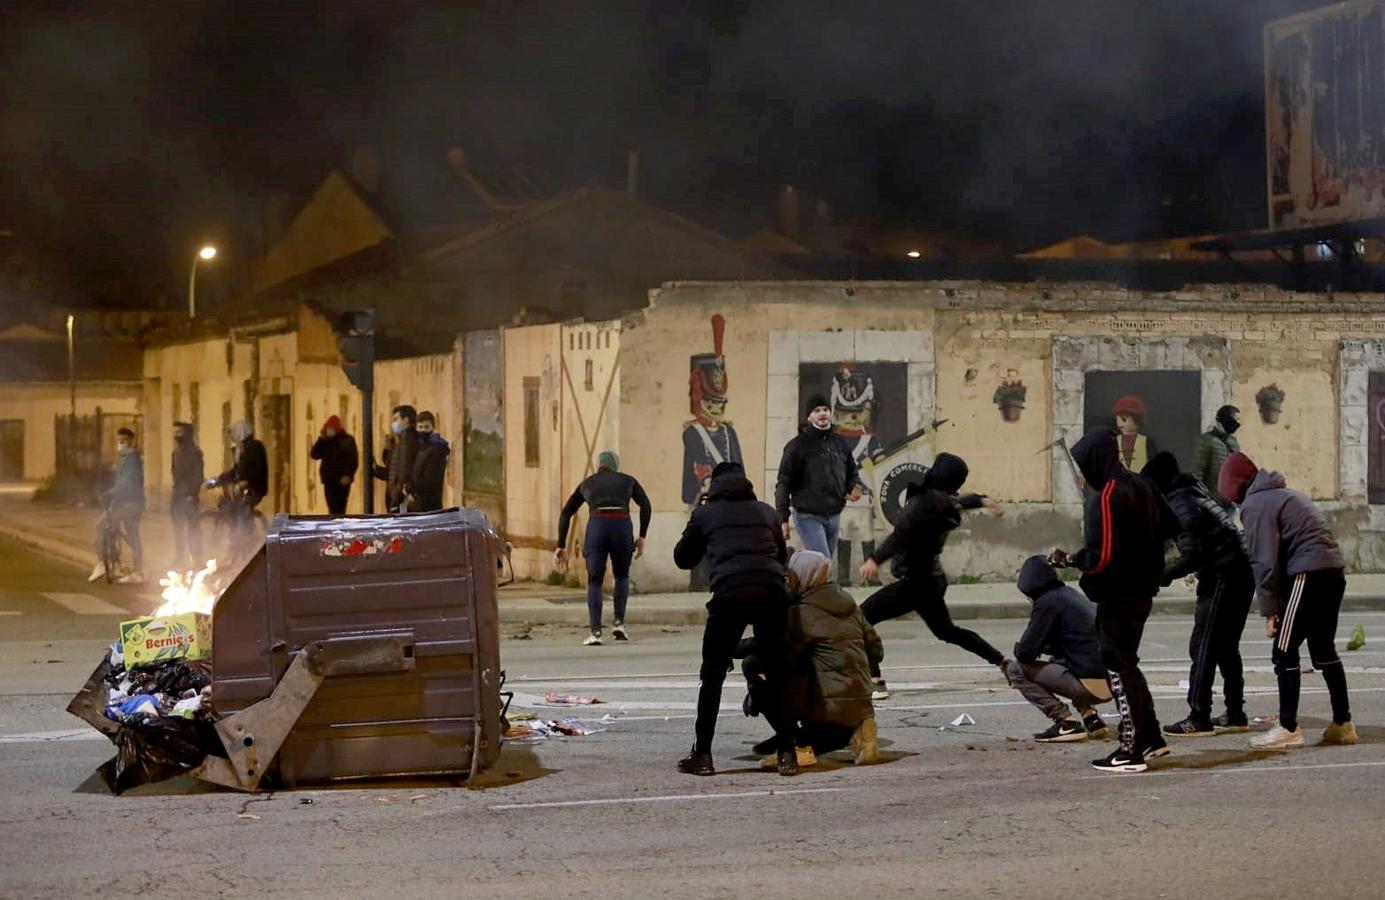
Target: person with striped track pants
x=1299, y=580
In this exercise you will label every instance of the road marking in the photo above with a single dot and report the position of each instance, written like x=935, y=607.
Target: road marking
x=48, y=737
x=666, y=798
x=10, y=612
x=86, y=604
x=1245, y=770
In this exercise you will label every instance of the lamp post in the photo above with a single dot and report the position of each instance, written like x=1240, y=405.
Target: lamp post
x=71, y=371
x=208, y=253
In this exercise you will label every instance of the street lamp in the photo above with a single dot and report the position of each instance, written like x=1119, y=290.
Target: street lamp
x=208, y=253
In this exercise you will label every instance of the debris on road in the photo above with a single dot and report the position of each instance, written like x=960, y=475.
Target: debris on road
x=964, y=719
x=570, y=700
x=1358, y=638
x=537, y=730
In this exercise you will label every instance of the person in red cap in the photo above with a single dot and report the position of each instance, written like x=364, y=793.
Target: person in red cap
x=1136, y=449
x=1299, y=582
x=340, y=460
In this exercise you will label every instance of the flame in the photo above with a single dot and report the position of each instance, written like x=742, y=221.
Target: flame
x=183, y=594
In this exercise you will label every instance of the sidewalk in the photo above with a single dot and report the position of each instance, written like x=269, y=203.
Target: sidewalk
x=66, y=533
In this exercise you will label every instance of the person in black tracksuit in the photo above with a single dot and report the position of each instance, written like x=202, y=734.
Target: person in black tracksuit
x=429, y=474
x=184, y=506
x=609, y=536
x=931, y=511
x=1122, y=566
x=1209, y=544
x=744, y=545
x=340, y=460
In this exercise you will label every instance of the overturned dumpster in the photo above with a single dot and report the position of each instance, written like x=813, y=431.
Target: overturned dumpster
x=345, y=648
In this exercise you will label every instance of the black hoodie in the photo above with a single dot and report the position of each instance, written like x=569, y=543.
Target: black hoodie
x=816, y=473
x=1127, y=524
x=1208, y=539
x=1062, y=624
x=740, y=536
x=931, y=510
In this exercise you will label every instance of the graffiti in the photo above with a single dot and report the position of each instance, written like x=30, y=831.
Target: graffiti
x=1150, y=410
x=1270, y=399
x=709, y=438
x=346, y=545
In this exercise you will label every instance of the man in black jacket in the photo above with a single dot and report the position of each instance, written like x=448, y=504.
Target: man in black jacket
x=931, y=511
x=744, y=545
x=1062, y=626
x=1122, y=568
x=430, y=466
x=399, y=455
x=1209, y=544
x=817, y=475
x=340, y=460
x=608, y=494
x=249, y=473
x=184, y=506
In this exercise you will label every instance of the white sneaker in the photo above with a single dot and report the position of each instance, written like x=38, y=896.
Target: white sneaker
x=98, y=572
x=131, y=578
x=1277, y=738
x=619, y=633
x=879, y=691
x=593, y=640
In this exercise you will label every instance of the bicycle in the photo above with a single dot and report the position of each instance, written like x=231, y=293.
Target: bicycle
x=233, y=515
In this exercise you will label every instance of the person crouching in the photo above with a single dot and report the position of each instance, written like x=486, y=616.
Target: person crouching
x=1062, y=627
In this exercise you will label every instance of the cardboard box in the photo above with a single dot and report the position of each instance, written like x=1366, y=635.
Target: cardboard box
x=161, y=638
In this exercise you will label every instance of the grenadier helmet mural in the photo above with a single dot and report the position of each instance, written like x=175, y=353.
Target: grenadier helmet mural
x=853, y=400
x=707, y=380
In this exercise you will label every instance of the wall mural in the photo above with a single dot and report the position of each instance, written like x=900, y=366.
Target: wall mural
x=483, y=446
x=1150, y=410
x=709, y=438
x=1010, y=396
x=1270, y=399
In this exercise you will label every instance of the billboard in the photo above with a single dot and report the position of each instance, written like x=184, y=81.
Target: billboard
x=1325, y=115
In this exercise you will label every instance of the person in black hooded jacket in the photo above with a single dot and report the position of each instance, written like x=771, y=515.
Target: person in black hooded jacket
x=1209, y=544
x=1122, y=568
x=931, y=511
x=744, y=545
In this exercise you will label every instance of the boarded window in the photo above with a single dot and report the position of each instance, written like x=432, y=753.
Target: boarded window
x=1375, y=451
x=194, y=404
x=589, y=379
x=531, y=422
x=177, y=403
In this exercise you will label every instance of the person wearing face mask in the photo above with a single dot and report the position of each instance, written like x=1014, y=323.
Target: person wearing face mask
x=400, y=450
x=340, y=460
x=184, y=506
x=430, y=466
x=1213, y=447
x=817, y=476
x=125, y=500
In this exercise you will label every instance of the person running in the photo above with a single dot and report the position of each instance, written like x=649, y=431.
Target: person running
x=830, y=649
x=1062, y=627
x=817, y=476
x=1299, y=581
x=1213, y=447
x=931, y=511
x=1122, y=568
x=339, y=461
x=125, y=501
x=184, y=506
x=742, y=541
x=1209, y=544
x=609, y=537
x=430, y=466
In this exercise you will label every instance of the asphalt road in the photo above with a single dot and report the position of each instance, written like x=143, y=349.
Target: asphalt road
x=974, y=811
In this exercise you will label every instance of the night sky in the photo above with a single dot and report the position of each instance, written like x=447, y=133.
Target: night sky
x=130, y=132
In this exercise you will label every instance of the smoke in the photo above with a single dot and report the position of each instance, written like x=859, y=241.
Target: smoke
x=129, y=133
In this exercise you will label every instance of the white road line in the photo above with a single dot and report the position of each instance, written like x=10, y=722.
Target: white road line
x=667, y=798
x=1244, y=770
x=48, y=737
x=86, y=604
x=10, y=612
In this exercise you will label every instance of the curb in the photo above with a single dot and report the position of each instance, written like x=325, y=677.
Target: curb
x=52, y=547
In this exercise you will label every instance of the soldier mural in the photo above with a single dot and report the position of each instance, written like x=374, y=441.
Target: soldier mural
x=708, y=438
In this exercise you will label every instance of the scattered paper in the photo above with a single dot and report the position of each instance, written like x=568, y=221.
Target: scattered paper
x=964, y=719
x=570, y=699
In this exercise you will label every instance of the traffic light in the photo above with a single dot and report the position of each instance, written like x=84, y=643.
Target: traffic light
x=356, y=340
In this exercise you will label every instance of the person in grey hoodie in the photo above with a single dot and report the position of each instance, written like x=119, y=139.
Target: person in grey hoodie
x=1062, y=627
x=1299, y=583
x=125, y=500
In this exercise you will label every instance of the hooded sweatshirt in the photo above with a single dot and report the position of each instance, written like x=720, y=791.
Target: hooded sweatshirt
x=1127, y=523
x=740, y=536
x=1286, y=536
x=827, y=630
x=1208, y=538
x=931, y=511
x=1062, y=624
x=340, y=458
x=429, y=472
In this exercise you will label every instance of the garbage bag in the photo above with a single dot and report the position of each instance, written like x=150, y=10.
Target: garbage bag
x=158, y=749
x=176, y=677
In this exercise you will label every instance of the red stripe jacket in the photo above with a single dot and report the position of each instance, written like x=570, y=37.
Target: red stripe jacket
x=1127, y=525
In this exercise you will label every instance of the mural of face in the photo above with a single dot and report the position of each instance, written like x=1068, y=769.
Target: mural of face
x=1127, y=424
x=853, y=401
x=708, y=439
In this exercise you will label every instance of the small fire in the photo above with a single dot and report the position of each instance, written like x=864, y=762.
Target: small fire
x=183, y=594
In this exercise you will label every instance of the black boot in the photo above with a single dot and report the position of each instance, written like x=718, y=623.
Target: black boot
x=788, y=762
x=698, y=762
